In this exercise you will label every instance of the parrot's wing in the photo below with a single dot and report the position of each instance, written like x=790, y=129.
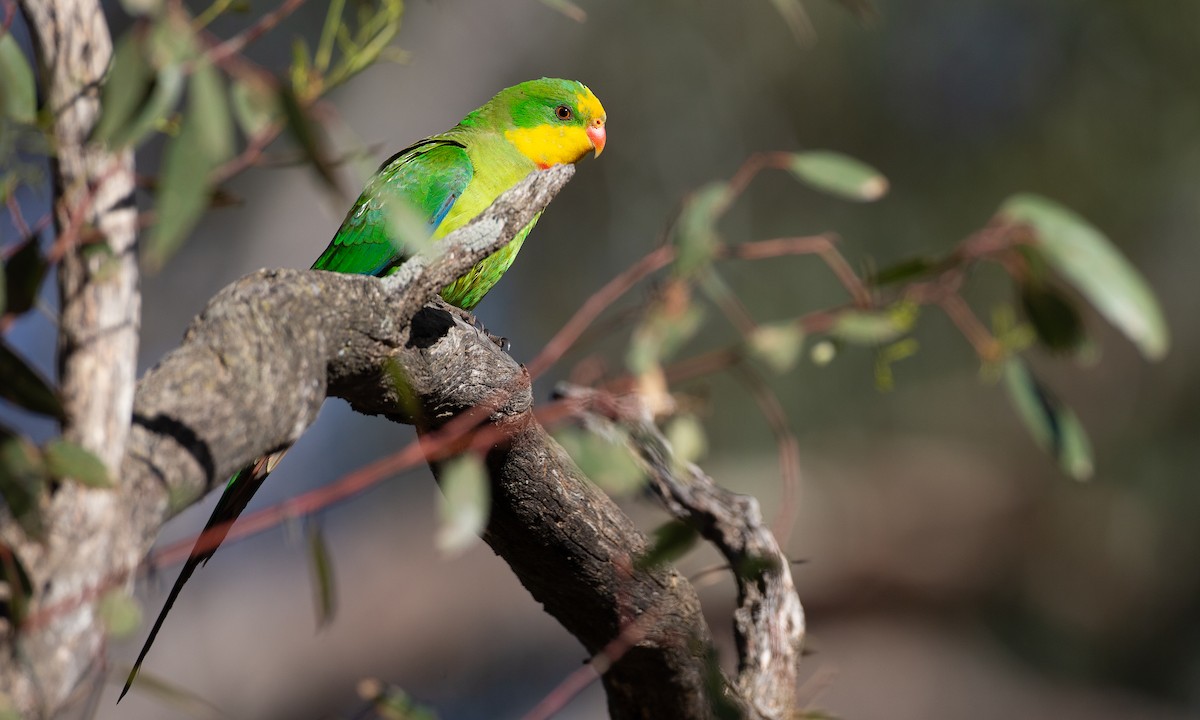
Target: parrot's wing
x=411, y=193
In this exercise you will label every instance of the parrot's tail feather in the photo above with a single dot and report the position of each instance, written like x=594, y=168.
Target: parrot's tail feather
x=238, y=492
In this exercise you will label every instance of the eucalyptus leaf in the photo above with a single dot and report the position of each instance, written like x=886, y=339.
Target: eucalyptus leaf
x=607, y=461
x=164, y=94
x=1054, y=427
x=22, y=479
x=23, y=274
x=695, y=233
x=255, y=104
x=127, y=88
x=308, y=135
x=321, y=566
x=23, y=386
x=66, y=460
x=1054, y=318
x=120, y=613
x=1088, y=260
x=465, y=504
x=18, y=94
x=777, y=345
x=672, y=541
x=204, y=142
x=839, y=175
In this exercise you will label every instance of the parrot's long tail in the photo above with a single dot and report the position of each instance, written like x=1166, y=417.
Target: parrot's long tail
x=238, y=491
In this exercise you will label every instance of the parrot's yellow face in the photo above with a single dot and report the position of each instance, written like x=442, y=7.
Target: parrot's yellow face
x=559, y=124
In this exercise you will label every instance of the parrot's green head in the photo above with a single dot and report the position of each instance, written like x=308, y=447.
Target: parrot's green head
x=550, y=121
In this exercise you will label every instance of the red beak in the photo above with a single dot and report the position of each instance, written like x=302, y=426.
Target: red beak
x=596, y=135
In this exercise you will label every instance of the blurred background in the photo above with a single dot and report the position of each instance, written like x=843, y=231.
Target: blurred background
x=952, y=571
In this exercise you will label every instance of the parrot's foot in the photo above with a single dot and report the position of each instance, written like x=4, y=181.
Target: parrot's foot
x=468, y=317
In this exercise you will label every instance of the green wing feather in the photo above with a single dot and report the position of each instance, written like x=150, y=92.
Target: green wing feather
x=425, y=179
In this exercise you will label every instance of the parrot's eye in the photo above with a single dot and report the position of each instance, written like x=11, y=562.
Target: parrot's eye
x=562, y=112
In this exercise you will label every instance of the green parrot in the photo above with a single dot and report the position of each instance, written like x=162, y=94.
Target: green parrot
x=444, y=181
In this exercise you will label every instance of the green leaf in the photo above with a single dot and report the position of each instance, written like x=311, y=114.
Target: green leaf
x=695, y=233
x=466, y=502
x=660, y=335
x=1054, y=427
x=22, y=478
x=568, y=8
x=25, y=387
x=885, y=357
x=120, y=613
x=874, y=327
x=15, y=607
x=139, y=8
x=607, y=461
x=1092, y=264
x=23, y=274
x=18, y=96
x=778, y=345
x=904, y=271
x=686, y=437
x=255, y=104
x=182, y=701
x=797, y=20
x=127, y=88
x=204, y=142
x=308, y=136
x=1054, y=318
x=321, y=566
x=391, y=703
x=165, y=91
x=672, y=541
x=67, y=461
x=839, y=175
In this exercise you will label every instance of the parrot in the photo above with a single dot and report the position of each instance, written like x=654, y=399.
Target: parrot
x=442, y=182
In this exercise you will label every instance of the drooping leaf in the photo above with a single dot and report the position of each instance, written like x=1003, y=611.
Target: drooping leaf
x=204, y=142
x=672, y=541
x=465, y=504
x=778, y=345
x=166, y=88
x=885, y=357
x=607, y=461
x=839, y=175
x=22, y=478
x=139, y=8
x=255, y=104
x=874, y=327
x=23, y=274
x=672, y=319
x=903, y=271
x=695, y=233
x=1053, y=316
x=18, y=97
x=321, y=567
x=179, y=699
x=1082, y=255
x=308, y=137
x=568, y=8
x=127, y=88
x=23, y=386
x=120, y=613
x=797, y=20
x=687, y=438
x=15, y=607
x=391, y=703
x=67, y=461
x=1054, y=427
